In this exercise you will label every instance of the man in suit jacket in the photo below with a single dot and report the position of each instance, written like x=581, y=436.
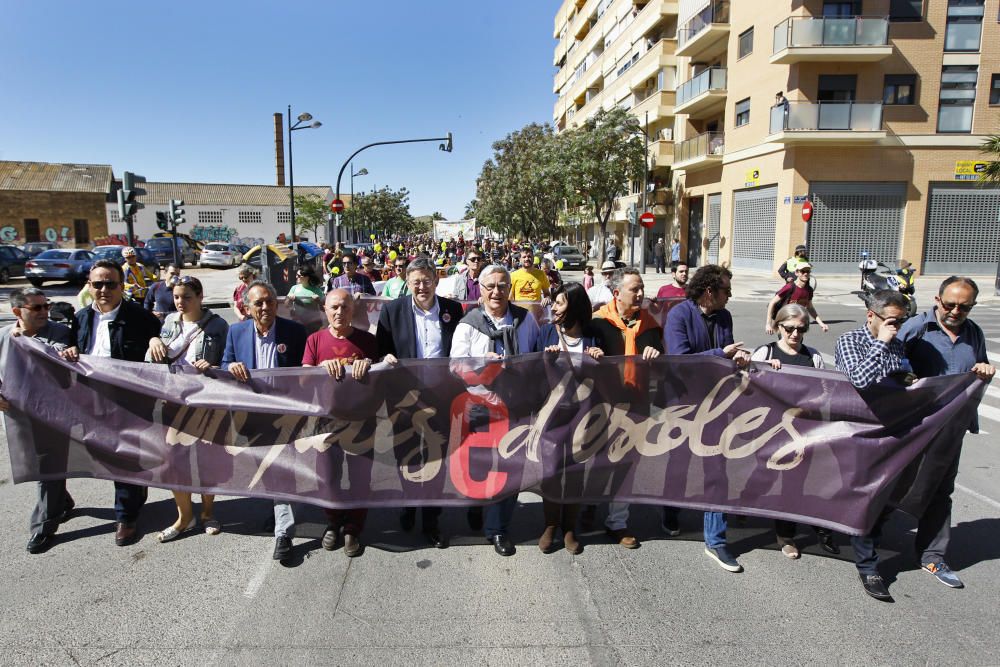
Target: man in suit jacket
x=702, y=325
x=419, y=326
x=266, y=341
x=120, y=329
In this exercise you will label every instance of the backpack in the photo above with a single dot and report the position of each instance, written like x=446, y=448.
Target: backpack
x=785, y=299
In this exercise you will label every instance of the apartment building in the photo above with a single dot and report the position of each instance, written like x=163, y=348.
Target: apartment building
x=883, y=107
x=621, y=53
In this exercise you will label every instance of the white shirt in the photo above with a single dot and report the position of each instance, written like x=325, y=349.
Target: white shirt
x=471, y=343
x=100, y=336
x=427, y=325
x=265, y=348
x=600, y=295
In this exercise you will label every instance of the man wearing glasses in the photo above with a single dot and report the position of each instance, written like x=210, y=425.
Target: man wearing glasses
x=395, y=287
x=116, y=328
x=466, y=285
x=160, y=297
x=944, y=341
x=355, y=283
x=54, y=504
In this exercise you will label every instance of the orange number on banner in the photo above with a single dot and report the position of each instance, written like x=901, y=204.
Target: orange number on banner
x=462, y=440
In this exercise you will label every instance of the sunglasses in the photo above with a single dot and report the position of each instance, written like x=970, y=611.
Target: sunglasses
x=399, y=267
x=38, y=306
x=104, y=284
x=790, y=330
x=896, y=321
x=182, y=280
x=962, y=307
x=472, y=259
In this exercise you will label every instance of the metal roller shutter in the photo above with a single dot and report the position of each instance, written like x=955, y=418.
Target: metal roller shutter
x=713, y=227
x=754, y=218
x=963, y=229
x=851, y=217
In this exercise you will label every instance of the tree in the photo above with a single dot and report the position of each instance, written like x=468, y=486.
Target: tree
x=385, y=211
x=470, y=209
x=310, y=214
x=437, y=215
x=597, y=161
x=514, y=191
x=991, y=146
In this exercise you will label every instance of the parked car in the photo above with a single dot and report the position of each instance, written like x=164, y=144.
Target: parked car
x=571, y=256
x=114, y=253
x=73, y=266
x=162, y=247
x=36, y=248
x=219, y=254
x=12, y=261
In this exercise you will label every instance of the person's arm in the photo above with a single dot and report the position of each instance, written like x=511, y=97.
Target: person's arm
x=384, y=341
x=862, y=367
x=770, y=312
x=815, y=316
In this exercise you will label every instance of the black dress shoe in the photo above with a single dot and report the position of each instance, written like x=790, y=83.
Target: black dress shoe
x=435, y=539
x=408, y=518
x=282, y=548
x=875, y=587
x=502, y=545
x=826, y=541
x=475, y=517
x=40, y=542
x=67, y=512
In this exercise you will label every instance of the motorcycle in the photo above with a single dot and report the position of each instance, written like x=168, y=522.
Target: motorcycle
x=876, y=276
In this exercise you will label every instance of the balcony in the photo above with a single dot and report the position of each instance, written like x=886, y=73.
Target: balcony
x=662, y=153
x=657, y=55
x=705, y=35
x=703, y=95
x=700, y=152
x=659, y=104
x=833, y=123
x=845, y=39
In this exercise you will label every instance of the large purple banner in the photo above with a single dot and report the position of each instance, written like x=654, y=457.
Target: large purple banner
x=683, y=431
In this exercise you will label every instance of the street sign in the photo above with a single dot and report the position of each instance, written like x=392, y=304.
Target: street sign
x=647, y=220
x=807, y=211
x=337, y=206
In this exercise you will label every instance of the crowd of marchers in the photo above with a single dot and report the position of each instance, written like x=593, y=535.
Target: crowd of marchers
x=165, y=322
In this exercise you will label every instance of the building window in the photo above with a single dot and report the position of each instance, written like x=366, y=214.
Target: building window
x=31, y=232
x=995, y=89
x=113, y=215
x=898, y=89
x=958, y=95
x=746, y=43
x=965, y=25
x=81, y=231
x=209, y=217
x=906, y=10
x=284, y=218
x=250, y=218
x=742, y=112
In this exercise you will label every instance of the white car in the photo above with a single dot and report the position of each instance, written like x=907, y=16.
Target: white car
x=219, y=254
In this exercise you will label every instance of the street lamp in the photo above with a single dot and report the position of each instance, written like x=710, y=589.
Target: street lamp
x=359, y=172
x=303, y=118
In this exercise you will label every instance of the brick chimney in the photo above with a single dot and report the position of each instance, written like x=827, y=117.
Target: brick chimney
x=279, y=149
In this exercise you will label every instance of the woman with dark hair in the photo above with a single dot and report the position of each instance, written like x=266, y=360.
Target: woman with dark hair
x=569, y=331
x=307, y=290
x=191, y=336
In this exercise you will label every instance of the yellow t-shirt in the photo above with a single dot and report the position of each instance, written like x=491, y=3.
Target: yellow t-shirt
x=527, y=284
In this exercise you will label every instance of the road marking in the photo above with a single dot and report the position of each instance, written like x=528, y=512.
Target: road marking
x=989, y=412
x=993, y=340
x=978, y=496
x=257, y=581
x=993, y=392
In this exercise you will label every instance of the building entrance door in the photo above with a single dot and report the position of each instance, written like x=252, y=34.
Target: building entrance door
x=696, y=216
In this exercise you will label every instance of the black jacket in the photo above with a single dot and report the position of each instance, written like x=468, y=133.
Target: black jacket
x=396, y=332
x=613, y=342
x=130, y=331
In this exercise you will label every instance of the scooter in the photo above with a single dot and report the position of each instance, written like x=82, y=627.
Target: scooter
x=876, y=276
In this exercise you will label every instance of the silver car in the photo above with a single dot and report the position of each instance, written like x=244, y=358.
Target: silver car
x=68, y=265
x=572, y=258
x=219, y=254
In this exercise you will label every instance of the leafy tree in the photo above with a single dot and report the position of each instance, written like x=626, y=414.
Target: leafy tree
x=470, y=209
x=991, y=146
x=310, y=214
x=597, y=161
x=437, y=215
x=385, y=211
x=515, y=192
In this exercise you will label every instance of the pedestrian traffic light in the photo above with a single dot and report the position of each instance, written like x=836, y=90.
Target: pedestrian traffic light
x=176, y=211
x=162, y=220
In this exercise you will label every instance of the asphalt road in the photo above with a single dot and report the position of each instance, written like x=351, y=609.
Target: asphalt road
x=221, y=600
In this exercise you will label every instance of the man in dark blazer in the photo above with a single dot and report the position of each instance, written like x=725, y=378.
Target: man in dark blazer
x=419, y=326
x=117, y=328
x=263, y=342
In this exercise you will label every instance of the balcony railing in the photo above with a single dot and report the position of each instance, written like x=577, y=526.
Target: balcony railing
x=713, y=12
x=713, y=78
x=808, y=31
x=709, y=143
x=825, y=116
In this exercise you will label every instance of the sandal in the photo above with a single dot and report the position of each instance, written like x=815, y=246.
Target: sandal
x=172, y=533
x=212, y=526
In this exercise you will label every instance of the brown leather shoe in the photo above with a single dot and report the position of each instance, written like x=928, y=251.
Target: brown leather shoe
x=352, y=545
x=124, y=533
x=623, y=538
x=547, y=539
x=569, y=540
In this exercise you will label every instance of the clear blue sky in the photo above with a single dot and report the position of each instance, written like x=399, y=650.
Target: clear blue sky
x=185, y=91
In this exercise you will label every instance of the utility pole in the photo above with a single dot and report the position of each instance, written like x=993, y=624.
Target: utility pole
x=645, y=194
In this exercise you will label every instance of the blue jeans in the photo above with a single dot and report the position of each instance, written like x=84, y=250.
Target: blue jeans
x=496, y=517
x=129, y=499
x=715, y=530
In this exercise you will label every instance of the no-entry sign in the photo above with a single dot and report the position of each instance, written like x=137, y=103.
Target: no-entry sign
x=807, y=211
x=337, y=206
x=647, y=220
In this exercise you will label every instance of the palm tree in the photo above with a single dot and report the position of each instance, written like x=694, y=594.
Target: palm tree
x=991, y=146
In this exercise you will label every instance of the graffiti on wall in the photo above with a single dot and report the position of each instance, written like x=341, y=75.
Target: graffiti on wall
x=9, y=234
x=213, y=233
x=248, y=241
x=116, y=239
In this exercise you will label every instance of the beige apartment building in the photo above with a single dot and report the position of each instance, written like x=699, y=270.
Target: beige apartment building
x=883, y=107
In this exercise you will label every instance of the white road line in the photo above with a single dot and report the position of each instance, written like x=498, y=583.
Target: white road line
x=993, y=392
x=978, y=496
x=989, y=412
x=993, y=340
x=257, y=581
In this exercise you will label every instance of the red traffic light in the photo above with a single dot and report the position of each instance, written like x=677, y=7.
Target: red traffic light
x=337, y=206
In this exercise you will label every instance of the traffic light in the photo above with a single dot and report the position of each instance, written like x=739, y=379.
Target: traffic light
x=162, y=220
x=176, y=211
x=127, y=206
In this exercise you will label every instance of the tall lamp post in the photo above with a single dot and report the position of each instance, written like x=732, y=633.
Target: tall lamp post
x=303, y=118
x=446, y=147
x=359, y=172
